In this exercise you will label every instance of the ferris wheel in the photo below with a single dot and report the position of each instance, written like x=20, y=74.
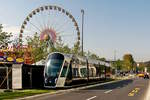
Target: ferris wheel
x=51, y=23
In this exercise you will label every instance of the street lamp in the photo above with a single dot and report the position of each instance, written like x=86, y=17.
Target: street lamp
x=82, y=12
x=87, y=63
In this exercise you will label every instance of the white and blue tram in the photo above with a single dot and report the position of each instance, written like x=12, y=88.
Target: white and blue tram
x=64, y=70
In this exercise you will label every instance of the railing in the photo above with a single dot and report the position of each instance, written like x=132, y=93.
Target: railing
x=4, y=77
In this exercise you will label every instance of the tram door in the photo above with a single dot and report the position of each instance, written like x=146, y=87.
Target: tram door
x=63, y=75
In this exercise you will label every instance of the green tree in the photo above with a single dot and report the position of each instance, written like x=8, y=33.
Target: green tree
x=66, y=49
x=141, y=66
x=118, y=64
x=4, y=38
x=102, y=59
x=128, y=61
x=94, y=56
x=76, y=48
x=39, y=48
x=62, y=49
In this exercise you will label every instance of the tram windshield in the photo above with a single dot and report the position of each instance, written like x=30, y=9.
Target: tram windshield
x=54, y=65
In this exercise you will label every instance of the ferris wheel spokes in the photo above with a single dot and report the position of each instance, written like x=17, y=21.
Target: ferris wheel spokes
x=51, y=22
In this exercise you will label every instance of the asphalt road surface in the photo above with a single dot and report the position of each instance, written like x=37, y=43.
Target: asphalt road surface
x=131, y=89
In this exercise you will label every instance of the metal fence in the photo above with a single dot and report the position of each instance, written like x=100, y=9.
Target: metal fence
x=5, y=77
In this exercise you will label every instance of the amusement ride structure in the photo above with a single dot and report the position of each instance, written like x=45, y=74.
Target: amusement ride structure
x=52, y=24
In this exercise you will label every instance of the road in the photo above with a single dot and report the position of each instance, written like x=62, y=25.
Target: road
x=131, y=89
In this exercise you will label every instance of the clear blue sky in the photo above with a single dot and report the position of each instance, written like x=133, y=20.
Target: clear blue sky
x=121, y=25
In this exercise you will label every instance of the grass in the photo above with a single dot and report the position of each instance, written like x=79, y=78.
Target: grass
x=22, y=93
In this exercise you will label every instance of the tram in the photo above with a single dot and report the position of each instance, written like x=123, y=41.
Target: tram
x=63, y=70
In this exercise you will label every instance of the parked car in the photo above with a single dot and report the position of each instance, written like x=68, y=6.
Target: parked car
x=140, y=75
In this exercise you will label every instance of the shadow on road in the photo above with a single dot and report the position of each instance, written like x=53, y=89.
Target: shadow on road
x=114, y=85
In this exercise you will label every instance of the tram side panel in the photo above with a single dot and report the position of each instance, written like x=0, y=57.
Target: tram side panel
x=61, y=72
x=77, y=74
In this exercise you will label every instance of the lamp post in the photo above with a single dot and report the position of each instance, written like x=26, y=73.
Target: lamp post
x=115, y=55
x=82, y=12
x=87, y=63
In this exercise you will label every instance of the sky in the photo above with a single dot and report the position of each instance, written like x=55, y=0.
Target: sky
x=111, y=27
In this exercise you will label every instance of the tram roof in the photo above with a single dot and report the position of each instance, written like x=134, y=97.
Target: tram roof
x=91, y=61
x=80, y=58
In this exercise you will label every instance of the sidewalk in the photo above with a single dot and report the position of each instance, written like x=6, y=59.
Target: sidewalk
x=147, y=97
x=124, y=77
x=1, y=90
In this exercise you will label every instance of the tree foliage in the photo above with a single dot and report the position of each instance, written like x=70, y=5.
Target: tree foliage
x=141, y=66
x=62, y=49
x=40, y=49
x=76, y=48
x=4, y=38
x=102, y=59
x=128, y=62
x=119, y=64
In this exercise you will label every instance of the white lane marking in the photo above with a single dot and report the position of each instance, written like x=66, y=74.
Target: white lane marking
x=108, y=91
x=91, y=98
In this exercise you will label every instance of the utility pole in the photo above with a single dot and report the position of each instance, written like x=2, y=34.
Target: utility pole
x=82, y=12
x=115, y=55
x=7, y=74
x=87, y=63
x=116, y=70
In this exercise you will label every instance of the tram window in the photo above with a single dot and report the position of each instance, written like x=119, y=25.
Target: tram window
x=63, y=73
x=53, y=67
x=83, y=72
x=92, y=70
x=69, y=74
x=75, y=72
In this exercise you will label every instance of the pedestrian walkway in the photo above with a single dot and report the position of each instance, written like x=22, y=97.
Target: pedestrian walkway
x=2, y=90
x=147, y=97
x=125, y=77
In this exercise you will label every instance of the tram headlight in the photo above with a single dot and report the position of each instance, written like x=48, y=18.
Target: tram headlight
x=50, y=81
x=46, y=80
x=55, y=80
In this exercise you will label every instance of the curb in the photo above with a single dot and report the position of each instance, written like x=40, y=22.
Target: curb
x=69, y=90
